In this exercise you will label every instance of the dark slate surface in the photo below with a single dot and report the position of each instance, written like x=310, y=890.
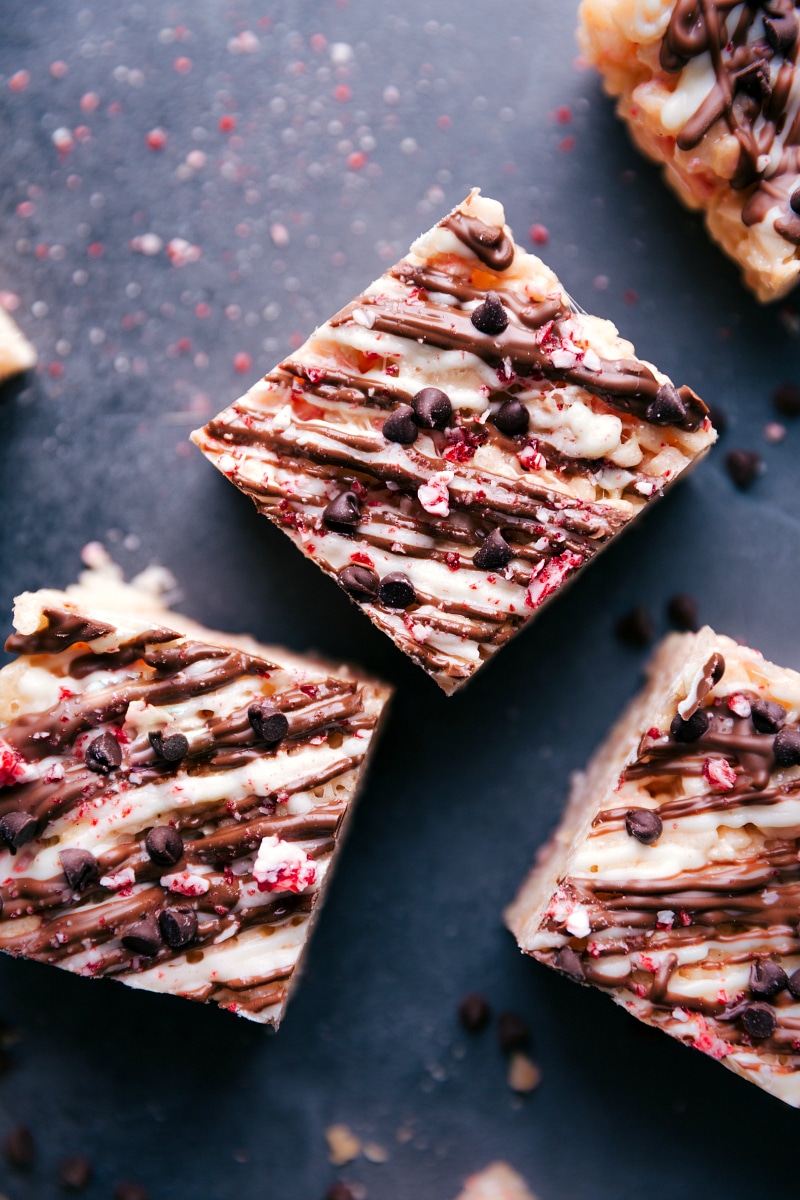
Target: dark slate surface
x=436, y=96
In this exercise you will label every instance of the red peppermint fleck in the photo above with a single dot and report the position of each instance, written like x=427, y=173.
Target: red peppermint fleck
x=453, y=560
x=227, y=124
x=19, y=81
x=567, y=145
x=242, y=362
x=392, y=369
x=653, y=732
x=684, y=917
x=26, y=209
x=157, y=138
x=548, y=575
x=539, y=235
x=90, y=102
x=342, y=93
x=563, y=114
x=202, y=311
x=12, y=766
x=58, y=69
x=362, y=558
x=309, y=689
x=719, y=774
x=356, y=161
x=463, y=443
x=56, y=370
x=183, y=65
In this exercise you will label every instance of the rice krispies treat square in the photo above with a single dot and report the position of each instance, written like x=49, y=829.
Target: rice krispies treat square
x=711, y=91
x=456, y=443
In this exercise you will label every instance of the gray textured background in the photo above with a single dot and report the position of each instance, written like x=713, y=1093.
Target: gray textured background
x=191, y=1102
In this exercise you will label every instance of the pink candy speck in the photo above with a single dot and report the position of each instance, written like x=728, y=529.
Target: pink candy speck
x=539, y=235
x=157, y=138
x=242, y=362
x=19, y=81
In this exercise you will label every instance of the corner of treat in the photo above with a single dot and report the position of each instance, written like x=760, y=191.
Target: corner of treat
x=29, y=610
x=484, y=208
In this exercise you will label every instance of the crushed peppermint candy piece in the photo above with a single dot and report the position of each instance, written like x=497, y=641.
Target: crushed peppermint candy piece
x=186, y=883
x=120, y=879
x=282, y=866
x=548, y=575
x=720, y=774
x=434, y=496
x=12, y=766
x=739, y=705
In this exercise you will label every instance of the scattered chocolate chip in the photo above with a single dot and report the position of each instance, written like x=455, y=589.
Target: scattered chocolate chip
x=682, y=611
x=644, y=825
x=396, y=591
x=794, y=984
x=343, y=513
x=786, y=748
x=131, y=1191
x=164, y=845
x=512, y=417
x=767, y=978
x=744, y=467
x=768, y=716
x=692, y=729
x=172, y=748
x=636, y=628
x=144, y=937
x=512, y=1033
x=267, y=722
x=75, y=1173
x=490, y=317
x=432, y=408
x=568, y=962
x=81, y=869
x=666, y=407
x=474, y=1013
x=19, y=1148
x=759, y=1021
x=494, y=553
x=786, y=398
x=178, y=926
x=780, y=30
x=104, y=754
x=718, y=418
x=361, y=583
x=794, y=204
x=754, y=79
x=401, y=426
x=17, y=828
x=339, y=1191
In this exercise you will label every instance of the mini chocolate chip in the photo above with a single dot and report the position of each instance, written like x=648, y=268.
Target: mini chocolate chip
x=178, y=926
x=361, y=583
x=144, y=937
x=267, y=722
x=164, y=845
x=512, y=417
x=744, y=467
x=474, y=1013
x=432, y=408
x=636, y=628
x=401, y=426
x=75, y=1173
x=644, y=825
x=81, y=868
x=339, y=1191
x=786, y=748
x=794, y=201
x=759, y=1021
x=104, y=754
x=17, y=828
x=171, y=748
x=19, y=1147
x=692, y=729
x=131, y=1191
x=568, y=962
x=490, y=317
x=493, y=554
x=767, y=978
x=780, y=31
x=794, y=984
x=343, y=512
x=396, y=591
x=682, y=611
x=512, y=1033
x=768, y=716
x=666, y=407
x=786, y=398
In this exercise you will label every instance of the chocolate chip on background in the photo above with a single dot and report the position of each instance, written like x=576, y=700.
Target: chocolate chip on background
x=178, y=926
x=361, y=583
x=490, y=317
x=339, y=1191
x=512, y=1033
x=666, y=407
x=396, y=591
x=718, y=418
x=759, y=1021
x=744, y=467
x=512, y=417
x=636, y=627
x=75, y=1173
x=780, y=30
x=767, y=978
x=343, y=513
x=474, y=1012
x=104, y=754
x=768, y=716
x=164, y=845
x=267, y=722
x=692, y=729
x=568, y=962
x=786, y=397
x=494, y=553
x=19, y=1148
x=144, y=937
x=786, y=748
x=81, y=868
x=17, y=828
x=794, y=984
x=171, y=748
x=643, y=824
x=432, y=408
x=682, y=611
x=401, y=426
x=131, y=1191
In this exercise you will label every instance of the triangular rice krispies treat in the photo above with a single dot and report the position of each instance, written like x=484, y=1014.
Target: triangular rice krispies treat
x=673, y=882
x=171, y=799
x=457, y=442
